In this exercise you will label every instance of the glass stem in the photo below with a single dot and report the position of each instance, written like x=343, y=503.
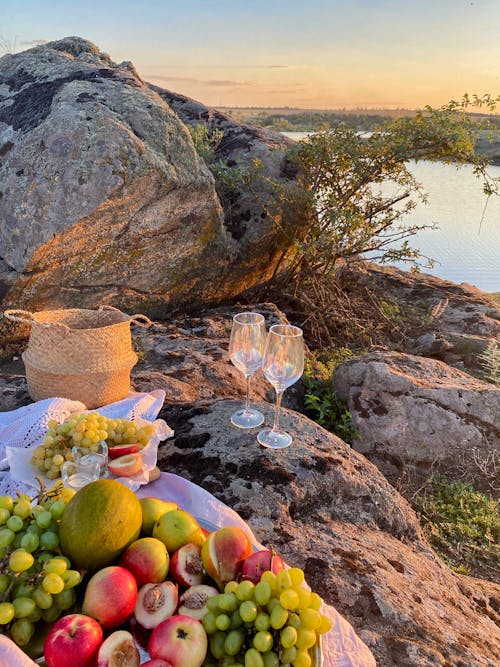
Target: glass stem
x=276, y=425
x=247, y=396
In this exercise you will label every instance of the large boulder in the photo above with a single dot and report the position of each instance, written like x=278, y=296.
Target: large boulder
x=326, y=509
x=103, y=197
x=415, y=412
x=248, y=200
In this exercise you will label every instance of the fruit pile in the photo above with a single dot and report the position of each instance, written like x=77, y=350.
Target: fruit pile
x=151, y=576
x=37, y=582
x=86, y=430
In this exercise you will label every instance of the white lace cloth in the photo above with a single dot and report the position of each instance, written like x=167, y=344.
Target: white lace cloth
x=26, y=426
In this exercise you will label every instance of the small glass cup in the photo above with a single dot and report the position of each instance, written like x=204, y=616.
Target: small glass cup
x=76, y=474
x=97, y=453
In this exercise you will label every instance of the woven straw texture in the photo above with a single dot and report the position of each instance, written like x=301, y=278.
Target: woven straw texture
x=83, y=355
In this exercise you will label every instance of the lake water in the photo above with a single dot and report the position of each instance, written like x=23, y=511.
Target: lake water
x=464, y=248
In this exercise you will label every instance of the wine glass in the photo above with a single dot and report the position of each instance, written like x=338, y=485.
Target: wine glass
x=246, y=346
x=283, y=364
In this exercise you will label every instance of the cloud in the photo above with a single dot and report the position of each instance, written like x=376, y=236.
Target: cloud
x=162, y=77
x=277, y=66
x=206, y=82
x=224, y=82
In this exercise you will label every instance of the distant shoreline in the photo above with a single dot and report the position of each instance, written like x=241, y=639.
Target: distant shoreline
x=289, y=119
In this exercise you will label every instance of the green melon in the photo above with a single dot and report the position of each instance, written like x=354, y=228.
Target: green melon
x=99, y=523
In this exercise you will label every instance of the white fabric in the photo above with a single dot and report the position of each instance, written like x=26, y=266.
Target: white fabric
x=26, y=426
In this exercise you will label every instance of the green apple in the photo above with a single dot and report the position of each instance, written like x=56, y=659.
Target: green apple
x=152, y=510
x=177, y=528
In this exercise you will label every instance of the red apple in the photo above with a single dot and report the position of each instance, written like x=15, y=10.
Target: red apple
x=126, y=466
x=156, y=662
x=111, y=596
x=122, y=450
x=223, y=553
x=186, y=567
x=260, y=562
x=180, y=641
x=118, y=650
x=147, y=559
x=73, y=640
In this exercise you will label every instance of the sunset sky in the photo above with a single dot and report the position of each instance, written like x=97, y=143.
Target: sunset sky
x=316, y=54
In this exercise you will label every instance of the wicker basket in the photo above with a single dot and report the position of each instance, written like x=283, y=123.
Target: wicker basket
x=84, y=355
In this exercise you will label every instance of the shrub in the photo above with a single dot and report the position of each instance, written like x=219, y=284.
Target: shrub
x=461, y=523
x=321, y=401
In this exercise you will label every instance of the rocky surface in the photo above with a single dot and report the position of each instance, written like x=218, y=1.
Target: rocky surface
x=187, y=357
x=246, y=201
x=416, y=412
x=329, y=511
x=103, y=197
x=449, y=322
x=320, y=503
x=239, y=146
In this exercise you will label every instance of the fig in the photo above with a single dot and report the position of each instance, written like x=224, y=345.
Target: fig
x=155, y=603
x=186, y=567
x=259, y=562
x=118, y=650
x=193, y=602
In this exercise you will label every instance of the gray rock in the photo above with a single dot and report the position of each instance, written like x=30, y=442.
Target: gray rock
x=454, y=323
x=246, y=206
x=103, y=195
x=188, y=358
x=429, y=345
x=413, y=410
x=326, y=509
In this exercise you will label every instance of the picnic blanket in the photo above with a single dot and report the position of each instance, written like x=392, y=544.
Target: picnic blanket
x=26, y=426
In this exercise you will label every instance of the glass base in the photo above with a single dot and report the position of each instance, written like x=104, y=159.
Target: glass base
x=274, y=439
x=247, y=418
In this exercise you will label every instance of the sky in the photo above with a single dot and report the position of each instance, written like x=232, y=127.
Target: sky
x=321, y=54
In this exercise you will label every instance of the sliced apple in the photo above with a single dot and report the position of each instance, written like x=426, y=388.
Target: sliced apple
x=125, y=466
x=122, y=450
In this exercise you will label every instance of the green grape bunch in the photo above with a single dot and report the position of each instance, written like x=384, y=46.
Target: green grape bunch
x=84, y=430
x=37, y=582
x=274, y=623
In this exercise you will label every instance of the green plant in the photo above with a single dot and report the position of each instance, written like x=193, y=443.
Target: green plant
x=391, y=310
x=490, y=363
x=206, y=141
x=462, y=524
x=320, y=399
x=356, y=191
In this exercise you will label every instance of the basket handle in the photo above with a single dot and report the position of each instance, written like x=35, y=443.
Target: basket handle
x=17, y=315
x=29, y=318
x=140, y=320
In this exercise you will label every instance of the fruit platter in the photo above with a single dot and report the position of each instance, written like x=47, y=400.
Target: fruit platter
x=100, y=578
